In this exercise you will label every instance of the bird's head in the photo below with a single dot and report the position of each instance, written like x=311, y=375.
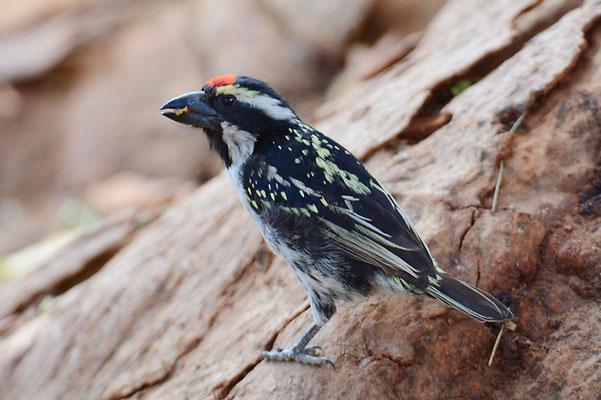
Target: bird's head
x=235, y=112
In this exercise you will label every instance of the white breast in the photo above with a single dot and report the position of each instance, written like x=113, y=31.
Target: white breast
x=235, y=172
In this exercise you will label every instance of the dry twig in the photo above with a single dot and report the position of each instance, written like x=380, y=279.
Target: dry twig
x=514, y=128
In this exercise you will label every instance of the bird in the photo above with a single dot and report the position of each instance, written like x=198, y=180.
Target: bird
x=340, y=230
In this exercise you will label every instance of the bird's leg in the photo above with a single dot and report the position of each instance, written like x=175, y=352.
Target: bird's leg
x=299, y=352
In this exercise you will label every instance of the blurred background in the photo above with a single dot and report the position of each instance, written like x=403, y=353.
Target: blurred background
x=81, y=82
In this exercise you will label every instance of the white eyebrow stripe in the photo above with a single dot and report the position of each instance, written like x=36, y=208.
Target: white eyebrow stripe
x=261, y=101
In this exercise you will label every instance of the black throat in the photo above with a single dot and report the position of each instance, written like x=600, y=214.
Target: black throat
x=215, y=137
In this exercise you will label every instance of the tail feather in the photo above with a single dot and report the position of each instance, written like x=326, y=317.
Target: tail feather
x=475, y=302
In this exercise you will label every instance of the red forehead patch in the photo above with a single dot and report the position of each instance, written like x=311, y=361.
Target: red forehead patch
x=221, y=81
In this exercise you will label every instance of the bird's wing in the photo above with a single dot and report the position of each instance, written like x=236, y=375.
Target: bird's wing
x=372, y=228
x=359, y=217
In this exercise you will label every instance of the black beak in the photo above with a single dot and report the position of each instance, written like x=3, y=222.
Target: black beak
x=191, y=109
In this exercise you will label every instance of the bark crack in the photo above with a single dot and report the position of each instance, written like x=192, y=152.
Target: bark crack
x=88, y=269
x=464, y=233
x=222, y=390
x=429, y=118
x=165, y=376
x=225, y=293
x=399, y=363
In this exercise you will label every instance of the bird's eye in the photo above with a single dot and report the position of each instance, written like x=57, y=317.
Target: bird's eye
x=228, y=100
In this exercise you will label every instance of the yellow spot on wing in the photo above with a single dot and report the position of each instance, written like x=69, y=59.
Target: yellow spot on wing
x=323, y=153
x=350, y=180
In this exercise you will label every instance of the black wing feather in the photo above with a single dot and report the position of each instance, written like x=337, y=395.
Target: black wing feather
x=361, y=218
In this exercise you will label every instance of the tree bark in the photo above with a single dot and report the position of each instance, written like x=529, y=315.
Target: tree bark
x=185, y=309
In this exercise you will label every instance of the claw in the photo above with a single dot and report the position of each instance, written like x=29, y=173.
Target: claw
x=299, y=353
x=293, y=354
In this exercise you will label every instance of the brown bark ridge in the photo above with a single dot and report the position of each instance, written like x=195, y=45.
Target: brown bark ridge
x=184, y=310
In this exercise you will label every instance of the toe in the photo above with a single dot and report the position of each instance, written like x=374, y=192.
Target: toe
x=297, y=356
x=314, y=351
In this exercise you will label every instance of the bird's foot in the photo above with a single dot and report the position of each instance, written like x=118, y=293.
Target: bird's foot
x=311, y=355
x=315, y=351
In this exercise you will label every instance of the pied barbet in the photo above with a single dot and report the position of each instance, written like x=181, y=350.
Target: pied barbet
x=340, y=230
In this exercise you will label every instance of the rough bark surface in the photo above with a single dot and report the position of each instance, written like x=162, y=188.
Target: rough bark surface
x=184, y=309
